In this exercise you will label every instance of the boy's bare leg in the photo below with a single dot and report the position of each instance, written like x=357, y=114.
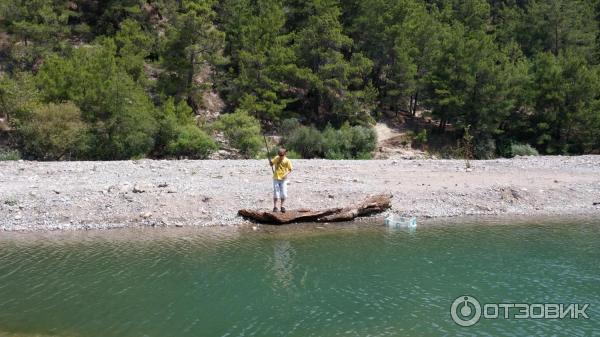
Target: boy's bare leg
x=282, y=208
x=274, y=203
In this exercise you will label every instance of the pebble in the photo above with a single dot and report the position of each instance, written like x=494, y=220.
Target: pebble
x=89, y=194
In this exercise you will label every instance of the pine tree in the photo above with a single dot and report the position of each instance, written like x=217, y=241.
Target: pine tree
x=190, y=44
x=333, y=76
x=264, y=61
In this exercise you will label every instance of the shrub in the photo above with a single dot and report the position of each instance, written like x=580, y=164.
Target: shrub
x=523, y=150
x=53, y=132
x=293, y=154
x=242, y=131
x=191, y=142
x=9, y=155
x=363, y=142
x=172, y=119
x=11, y=201
x=348, y=142
x=420, y=139
x=485, y=148
x=288, y=125
x=307, y=141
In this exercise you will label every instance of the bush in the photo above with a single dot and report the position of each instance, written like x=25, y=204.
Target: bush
x=523, y=150
x=485, y=148
x=307, y=141
x=172, y=120
x=348, y=142
x=291, y=154
x=6, y=155
x=53, y=132
x=363, y=142
x=191, y=142
x=420, y=139
x=242, y=131
x=288, y=125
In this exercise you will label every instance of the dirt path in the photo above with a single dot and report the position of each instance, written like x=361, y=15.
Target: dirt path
x=390, y=144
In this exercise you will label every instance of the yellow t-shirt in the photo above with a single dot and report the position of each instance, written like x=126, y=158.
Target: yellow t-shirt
x=282, y=167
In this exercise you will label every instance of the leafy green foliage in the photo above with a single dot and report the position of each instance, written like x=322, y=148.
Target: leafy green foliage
x=18, y=97
x=121, y=114
x=420, y=138
x=523, y=150
x=178, y=135
x=191, y=142
x=133, y=46
x=565, y=102
x=261, y=57
x=348, y=142
x=6, y=155
x=242, y=130
x=305, y=140
x=54, y=132
x=517, y=72
x=189, y=43
x=332, y=80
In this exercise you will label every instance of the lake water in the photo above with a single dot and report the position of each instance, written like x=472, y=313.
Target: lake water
x=338, y=281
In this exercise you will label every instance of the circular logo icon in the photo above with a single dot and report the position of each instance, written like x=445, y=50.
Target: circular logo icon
x=465, y=310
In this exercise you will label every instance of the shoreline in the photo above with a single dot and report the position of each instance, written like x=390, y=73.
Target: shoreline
x=47, y=196
x=306, y=229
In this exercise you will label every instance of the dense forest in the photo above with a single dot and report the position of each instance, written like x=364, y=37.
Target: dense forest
x=90, y=79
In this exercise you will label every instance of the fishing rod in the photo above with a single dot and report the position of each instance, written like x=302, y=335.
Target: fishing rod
x=268, y=154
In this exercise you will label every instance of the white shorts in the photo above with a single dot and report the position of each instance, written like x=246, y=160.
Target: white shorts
x=279, y=189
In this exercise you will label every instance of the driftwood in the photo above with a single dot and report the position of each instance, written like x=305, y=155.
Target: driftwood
x=374, y=204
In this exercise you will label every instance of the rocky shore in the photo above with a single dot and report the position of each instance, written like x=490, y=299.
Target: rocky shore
x=40, y=196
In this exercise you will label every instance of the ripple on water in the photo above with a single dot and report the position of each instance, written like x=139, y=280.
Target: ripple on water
x=335, y=282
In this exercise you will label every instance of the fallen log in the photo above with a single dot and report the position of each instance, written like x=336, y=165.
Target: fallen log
x=373, y=204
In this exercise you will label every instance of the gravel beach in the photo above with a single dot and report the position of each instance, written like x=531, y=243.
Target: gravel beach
x=41, y=196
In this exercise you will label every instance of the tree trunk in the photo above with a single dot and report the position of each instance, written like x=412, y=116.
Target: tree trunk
x=374, y=204
x=414, y=106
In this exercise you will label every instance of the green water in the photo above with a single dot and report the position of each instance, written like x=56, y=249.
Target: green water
x=332, y=282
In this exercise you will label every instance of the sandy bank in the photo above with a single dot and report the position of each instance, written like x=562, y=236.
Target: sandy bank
x=85, y=195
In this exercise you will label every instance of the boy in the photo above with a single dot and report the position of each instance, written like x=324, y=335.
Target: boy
x=282, y=168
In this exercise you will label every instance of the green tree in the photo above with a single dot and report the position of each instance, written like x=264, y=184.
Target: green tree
x=190, y=44
x=331, y=79
x=122, y=118
x=36, y=27
x=133, y=46
x=559, y=25
x=469, y=83
x=19, y=97
x=105, y=17
x=401, y=38
x=178, y=134
x=264, y=61
x=566, y=104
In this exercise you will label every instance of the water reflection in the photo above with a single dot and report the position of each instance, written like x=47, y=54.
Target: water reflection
x=283, y=264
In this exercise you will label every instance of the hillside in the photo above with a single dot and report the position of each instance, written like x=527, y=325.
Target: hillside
x=85, y=79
